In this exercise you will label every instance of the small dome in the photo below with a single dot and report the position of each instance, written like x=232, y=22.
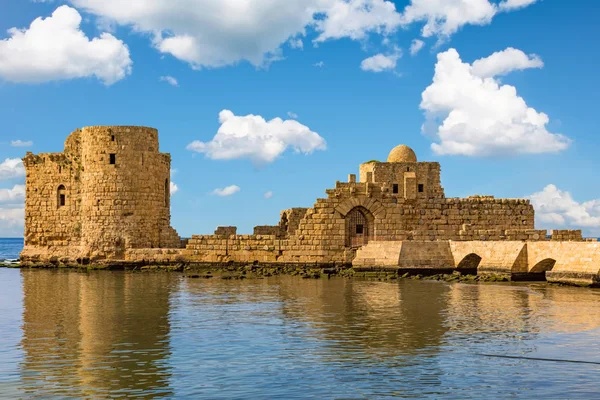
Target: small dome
x=402, y=153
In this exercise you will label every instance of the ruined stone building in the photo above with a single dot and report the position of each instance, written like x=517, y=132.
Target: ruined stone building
x=107, y=192
x=105, y=199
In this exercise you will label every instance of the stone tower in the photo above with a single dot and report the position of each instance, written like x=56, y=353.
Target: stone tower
x=109, y=191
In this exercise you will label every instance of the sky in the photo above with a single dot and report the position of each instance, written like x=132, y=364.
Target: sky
x=264, y=104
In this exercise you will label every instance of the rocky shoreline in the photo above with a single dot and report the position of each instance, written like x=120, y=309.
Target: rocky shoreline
x=4, y=263
x=254, y=271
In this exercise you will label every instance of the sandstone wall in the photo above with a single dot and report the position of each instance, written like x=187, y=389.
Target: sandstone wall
x=566, y=235
x=226, y=230
x=116, y=192
x=321, y=235
x=274, y=230
x=116, y=185
x=125, y=191
x=499, y=257
x=396, y=218
x=564, y=262
x=51, y=228
x=262, y=249
x=386, y=174
x=290, y=219
x=426, y=255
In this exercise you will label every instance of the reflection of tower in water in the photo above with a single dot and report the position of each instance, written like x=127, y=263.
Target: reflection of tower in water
x=87, y=335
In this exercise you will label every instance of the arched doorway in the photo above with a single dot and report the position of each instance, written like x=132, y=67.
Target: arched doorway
x=359, y=227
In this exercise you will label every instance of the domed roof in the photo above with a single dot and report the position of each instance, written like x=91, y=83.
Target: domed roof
x=402, y=153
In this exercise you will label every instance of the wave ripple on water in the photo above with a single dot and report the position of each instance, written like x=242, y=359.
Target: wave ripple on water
x=10, y=249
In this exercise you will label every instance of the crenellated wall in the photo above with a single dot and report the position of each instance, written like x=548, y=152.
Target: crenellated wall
x=115, y=186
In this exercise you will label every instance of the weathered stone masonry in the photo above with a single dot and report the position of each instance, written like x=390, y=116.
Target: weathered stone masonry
x=400, y=199
x=106, y=193
x=106, y=199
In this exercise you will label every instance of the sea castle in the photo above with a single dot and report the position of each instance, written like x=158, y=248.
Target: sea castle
x=105, y=201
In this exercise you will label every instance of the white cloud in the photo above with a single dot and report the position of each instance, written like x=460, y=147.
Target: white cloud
x=170, y=80
x=416, y=46
x=444, y=17
x=505, y=61
x=268, y=194
x=555, y=208
x=319, y=64
x=380, y=62
x=11, y=222
x=292, y=115
x=509, y=5
x=252, y=137
x=21, y=143
x=354, y=19
x=296, y=44
x=475, y=116
x=55, y=48
x=11, y=168
x=216, y=33
x=174, y=188
x=16, y=194
x=213, y=33
x=226, y=191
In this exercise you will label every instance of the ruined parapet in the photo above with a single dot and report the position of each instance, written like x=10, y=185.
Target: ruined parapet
x=268, y=230
x=226, y=230
x=566, y=235
x=53, y=201
x=290, y=219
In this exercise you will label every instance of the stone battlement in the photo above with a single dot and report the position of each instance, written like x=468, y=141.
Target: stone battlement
x=106, y=198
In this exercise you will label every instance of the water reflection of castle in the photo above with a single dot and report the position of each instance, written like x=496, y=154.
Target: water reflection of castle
x=409, y=316
x=88, y=335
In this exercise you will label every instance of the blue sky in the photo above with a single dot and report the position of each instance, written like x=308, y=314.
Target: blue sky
x=337, y=114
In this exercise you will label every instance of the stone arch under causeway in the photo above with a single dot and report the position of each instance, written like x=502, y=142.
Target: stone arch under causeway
x=469, y=263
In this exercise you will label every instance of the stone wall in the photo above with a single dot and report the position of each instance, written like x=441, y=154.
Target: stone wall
x=290, y=219
x=116, y=185
x=262, y=249
x=564, y=262
x=321, y=235
x=50, y=223
x=274, y=230
x=116, y=192
x=226, y=230
x=125, y=191
x=566, y=235
x=426, y=174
